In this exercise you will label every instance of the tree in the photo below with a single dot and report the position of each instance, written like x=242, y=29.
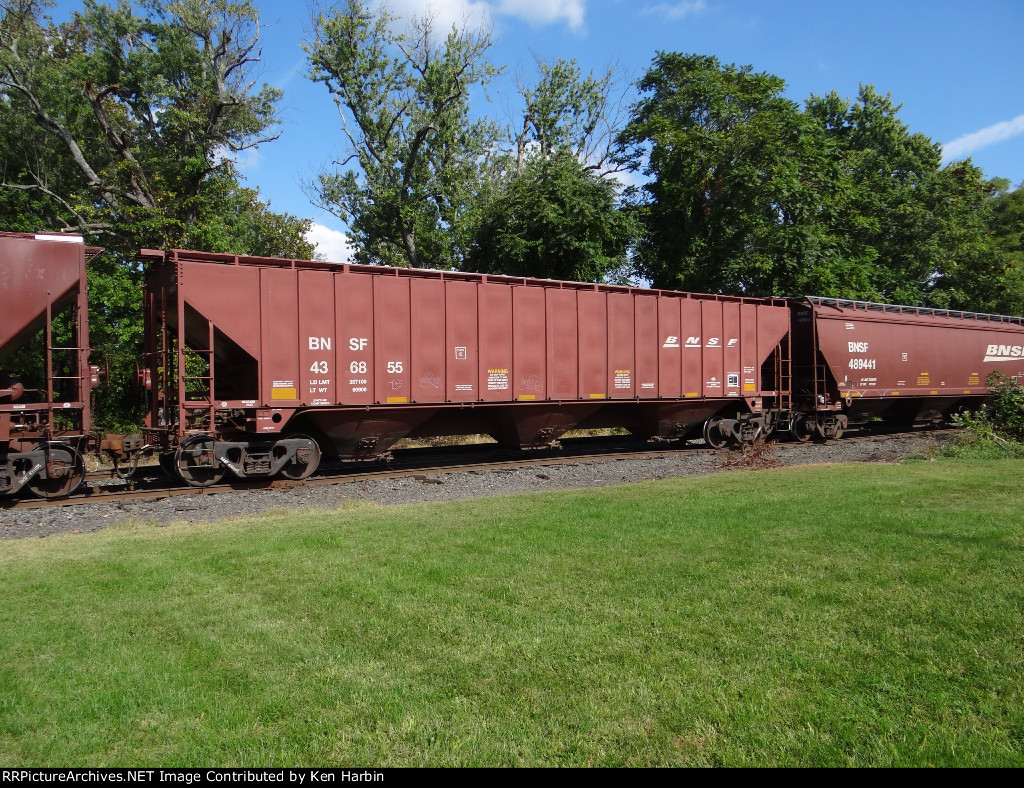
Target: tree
x=731, y=181
x=121, y=125
x=554, y=219
x=986, y=222
x=884, y=224
x=549, y=207
x=567, y=113
x=136, y=117
x=404, y=101
x=1006, y=242
x=752, y=196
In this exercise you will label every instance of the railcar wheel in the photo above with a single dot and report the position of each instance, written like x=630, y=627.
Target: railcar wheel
x=195, y=464
x=713, y=435
x=306, y=460
x=65, y=472
x=799, y=428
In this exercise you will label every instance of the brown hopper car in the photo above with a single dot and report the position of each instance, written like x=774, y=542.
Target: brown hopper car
x=257, y=365
x=44, y=313
x=857, y=362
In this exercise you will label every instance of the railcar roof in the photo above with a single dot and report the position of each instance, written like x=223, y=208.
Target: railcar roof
x=899, y=309
x=184, y=255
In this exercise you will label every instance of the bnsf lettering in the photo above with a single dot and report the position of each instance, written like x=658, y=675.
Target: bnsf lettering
x=358, y=343
x=319, y=343
x=858, y=347
x=1005, y=351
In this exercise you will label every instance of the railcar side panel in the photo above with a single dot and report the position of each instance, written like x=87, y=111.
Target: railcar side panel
x=353, y=300
x=495, y=320
x=529, y=344
x=773, y=323
x=428, y=340
x=391, y=347
x=916, y=356
x=318, y=371
x=645, y=316
x=593, y=347
x=210, y=289
x=669, y=335
x=713, y=339
x=749, y=364
x=732, y=333
x=461, y=342
x=36, y=273
x=562, y=350
x=279, y=307
x=692, y=337
x=621, y=351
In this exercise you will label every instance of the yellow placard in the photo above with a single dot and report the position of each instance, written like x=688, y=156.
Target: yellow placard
x=283, y=394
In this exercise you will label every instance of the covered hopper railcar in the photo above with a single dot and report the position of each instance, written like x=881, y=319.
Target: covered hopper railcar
x=258, y=365
x=45, y=375
x=855, y=362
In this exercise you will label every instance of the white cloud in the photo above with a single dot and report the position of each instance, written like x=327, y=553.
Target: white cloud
x=964, y=146
x=331, y=245
x=478, y=13
x=676, y=11
x=463, y=14
x=545, y=12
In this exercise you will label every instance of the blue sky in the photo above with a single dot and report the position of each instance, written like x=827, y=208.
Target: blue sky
x=956, y=67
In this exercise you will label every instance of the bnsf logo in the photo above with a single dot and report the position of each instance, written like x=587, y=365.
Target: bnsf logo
x=1004, y=352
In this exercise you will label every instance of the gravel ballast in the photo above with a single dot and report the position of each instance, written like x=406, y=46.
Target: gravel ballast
x=448, y=486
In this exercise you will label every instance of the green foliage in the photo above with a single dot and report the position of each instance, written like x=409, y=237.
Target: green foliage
x=750, y=195
x=992, y=279
x=566, y=112
x=135, y=115
x=555, y=219
x=728, y=155
x=914, y=231
x=549, y=207
x=1008, y=405
x=997, y=431
x=404, y=100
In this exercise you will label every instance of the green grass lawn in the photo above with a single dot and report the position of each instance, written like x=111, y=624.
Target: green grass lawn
x=845, y=615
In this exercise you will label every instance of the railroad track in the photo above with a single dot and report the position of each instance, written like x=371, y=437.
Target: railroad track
x=103, y=485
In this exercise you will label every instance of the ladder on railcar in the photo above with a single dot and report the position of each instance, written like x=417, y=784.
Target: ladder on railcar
x=784, y=374
x=195, y=392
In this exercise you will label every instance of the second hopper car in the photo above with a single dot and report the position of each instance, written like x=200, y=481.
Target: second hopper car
x=856, y=362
